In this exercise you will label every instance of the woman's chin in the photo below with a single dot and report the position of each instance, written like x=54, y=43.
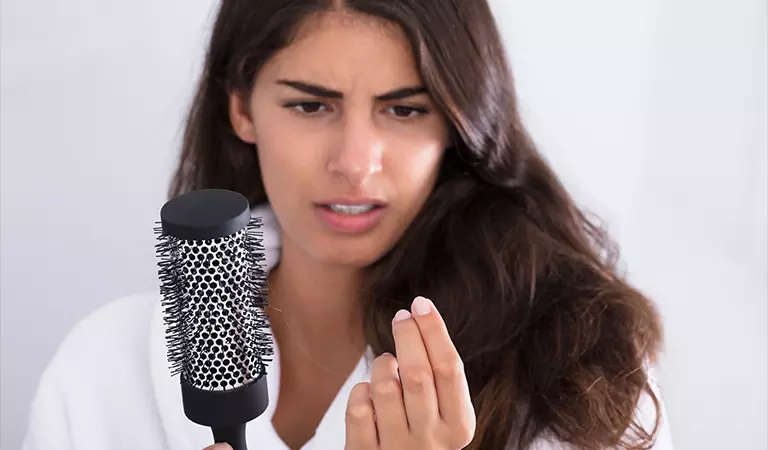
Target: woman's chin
x=352, y=255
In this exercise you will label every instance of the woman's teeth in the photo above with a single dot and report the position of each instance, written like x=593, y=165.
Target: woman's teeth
x=351, y=209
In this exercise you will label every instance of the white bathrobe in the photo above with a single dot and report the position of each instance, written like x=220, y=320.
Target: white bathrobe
x=109, y=387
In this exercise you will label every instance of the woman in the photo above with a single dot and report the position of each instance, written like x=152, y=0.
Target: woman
x=382, y=143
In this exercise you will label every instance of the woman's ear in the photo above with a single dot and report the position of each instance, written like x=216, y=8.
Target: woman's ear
x=240, y=118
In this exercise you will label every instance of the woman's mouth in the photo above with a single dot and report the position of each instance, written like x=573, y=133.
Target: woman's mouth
x=350, y=218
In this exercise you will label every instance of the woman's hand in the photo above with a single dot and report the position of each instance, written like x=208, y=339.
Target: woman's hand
x=426, y=407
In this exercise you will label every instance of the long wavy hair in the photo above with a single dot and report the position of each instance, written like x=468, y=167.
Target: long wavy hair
x=554, y=340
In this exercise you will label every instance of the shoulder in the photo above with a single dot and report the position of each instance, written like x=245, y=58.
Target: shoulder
x=98, y=379
x=108, y=344
x=108, y=333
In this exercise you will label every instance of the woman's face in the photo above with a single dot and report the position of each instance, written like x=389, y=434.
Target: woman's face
x=348, y=141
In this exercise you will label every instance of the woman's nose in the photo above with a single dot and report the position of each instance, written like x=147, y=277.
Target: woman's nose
x=358, y=155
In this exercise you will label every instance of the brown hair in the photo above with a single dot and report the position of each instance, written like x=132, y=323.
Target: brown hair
x=554, y=341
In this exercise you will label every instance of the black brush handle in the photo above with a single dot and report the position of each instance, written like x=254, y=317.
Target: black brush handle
x=226, y=412
x=234, y=436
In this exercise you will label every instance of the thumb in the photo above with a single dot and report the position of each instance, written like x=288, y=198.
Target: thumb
x=218, y=447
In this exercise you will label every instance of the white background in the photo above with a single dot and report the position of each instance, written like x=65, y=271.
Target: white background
x=653, y=112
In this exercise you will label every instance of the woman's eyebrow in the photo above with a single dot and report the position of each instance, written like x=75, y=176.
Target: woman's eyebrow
x=325, y=92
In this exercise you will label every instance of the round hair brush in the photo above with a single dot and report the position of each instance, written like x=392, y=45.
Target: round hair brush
x=213, y=289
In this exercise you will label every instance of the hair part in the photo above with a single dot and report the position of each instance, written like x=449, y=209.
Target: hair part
x=555, y=342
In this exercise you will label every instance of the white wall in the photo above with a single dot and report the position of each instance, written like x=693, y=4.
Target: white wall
x=654, y=112
x=92, y=97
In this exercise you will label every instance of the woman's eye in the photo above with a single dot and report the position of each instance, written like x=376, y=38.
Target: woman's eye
x=405, y=112
x=307, y=107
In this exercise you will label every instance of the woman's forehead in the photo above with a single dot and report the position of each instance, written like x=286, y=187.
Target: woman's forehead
x=348, y=53
x=325, y=21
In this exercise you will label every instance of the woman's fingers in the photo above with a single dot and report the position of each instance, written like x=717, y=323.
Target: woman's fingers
x=359, y=419
x=391, y=421
x=218, y=447
x=416, y=377
x=419, y=399
x=453, y=397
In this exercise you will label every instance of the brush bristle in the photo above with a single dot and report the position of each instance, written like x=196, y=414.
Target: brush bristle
x=215, y=345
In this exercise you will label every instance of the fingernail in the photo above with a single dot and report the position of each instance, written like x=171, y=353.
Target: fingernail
x=421, y=306
x=401, y=315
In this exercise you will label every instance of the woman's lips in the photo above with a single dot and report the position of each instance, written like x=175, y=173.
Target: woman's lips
x=350, y=223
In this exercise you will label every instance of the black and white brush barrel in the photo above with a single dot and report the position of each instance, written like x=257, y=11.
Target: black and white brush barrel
x=220, y=353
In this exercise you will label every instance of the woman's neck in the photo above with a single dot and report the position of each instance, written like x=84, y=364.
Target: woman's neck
x=316, y=322
x=315, y=309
